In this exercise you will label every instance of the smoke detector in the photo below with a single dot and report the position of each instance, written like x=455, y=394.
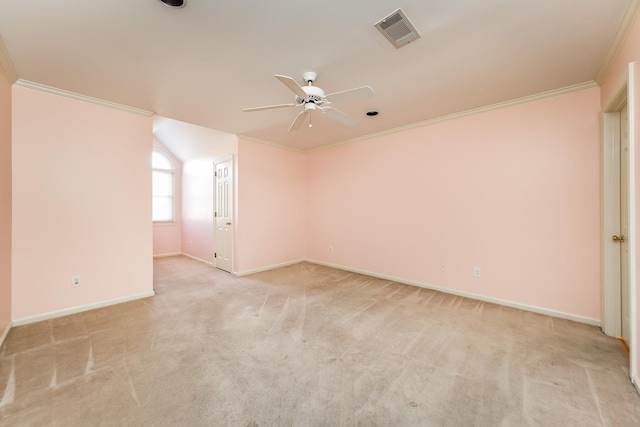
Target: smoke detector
x=398, y=29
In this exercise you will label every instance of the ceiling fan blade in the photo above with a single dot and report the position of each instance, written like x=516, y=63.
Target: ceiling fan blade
x=292, y=85
x=351, y=94
x=269, y=107
x=339, y=116
x=298, y=121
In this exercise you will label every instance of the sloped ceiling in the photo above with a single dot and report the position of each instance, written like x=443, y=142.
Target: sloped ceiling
x=203, y=63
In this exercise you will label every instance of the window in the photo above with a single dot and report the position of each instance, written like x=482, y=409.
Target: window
x=163, y=188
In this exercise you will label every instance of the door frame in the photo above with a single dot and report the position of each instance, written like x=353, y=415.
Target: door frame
x=232, y=195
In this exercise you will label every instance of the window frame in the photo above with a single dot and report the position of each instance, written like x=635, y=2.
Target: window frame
x=172, y=173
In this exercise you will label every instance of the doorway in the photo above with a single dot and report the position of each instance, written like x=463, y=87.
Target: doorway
x=223, y=256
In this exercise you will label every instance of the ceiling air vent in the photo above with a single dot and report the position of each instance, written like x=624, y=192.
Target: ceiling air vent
x=397, y=29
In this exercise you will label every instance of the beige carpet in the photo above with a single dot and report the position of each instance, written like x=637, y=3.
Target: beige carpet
x=310, y=346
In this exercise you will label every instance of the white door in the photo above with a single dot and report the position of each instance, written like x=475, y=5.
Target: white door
x=224, y=216
x=621, y=133
x=624, y=225
x=633, y=104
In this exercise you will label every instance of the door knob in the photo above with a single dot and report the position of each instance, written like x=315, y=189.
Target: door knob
x=619, y=238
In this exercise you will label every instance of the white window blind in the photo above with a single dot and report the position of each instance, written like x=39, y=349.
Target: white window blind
x=163, y=188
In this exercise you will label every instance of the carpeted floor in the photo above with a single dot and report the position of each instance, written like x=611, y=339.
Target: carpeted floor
x=307, y=345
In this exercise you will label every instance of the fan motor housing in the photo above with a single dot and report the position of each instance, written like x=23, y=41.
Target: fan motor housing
x=314, y=94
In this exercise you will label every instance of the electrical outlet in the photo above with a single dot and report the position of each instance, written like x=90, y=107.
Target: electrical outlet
x=330, y=248
x=76, y=281
x=477, y=272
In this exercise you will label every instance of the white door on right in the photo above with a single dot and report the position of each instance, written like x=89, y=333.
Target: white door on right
x=224, y=216
x=624, y=225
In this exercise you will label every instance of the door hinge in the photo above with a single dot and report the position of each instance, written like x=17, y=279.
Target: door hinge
x=215, y=214
x=215, y=254
x=215, y=173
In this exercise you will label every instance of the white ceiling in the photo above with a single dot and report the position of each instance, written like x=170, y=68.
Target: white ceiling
x=203, y=63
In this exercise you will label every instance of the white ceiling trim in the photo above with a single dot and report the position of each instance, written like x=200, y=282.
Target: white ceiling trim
x=55, y=91
x=487, y=108
x=272, y=144
x=510, y=103
x=630, y=14
x=7, y=63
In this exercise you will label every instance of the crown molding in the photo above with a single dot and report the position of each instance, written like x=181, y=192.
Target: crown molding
x=511, y=103
x=61, y=92
x=7, y=63
x=271, y=144
x=630, y=14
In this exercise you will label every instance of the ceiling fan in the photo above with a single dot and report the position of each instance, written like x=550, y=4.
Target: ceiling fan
x=312, y=98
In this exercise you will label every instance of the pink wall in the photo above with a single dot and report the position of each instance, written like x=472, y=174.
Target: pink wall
x=514, y=191
x=271, y=206
x=197, y=198
x=81, y=203
x=5, y=201
x=167, y=237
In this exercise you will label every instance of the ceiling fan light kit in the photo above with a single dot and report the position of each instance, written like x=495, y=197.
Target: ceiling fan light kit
x=313, y=98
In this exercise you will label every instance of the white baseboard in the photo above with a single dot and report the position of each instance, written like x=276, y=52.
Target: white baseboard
x=270, y=267
x=167, y=255
x=183, y=254
x=198, y=259
x=5, y=333
x=506, y=303
x=79, y=309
